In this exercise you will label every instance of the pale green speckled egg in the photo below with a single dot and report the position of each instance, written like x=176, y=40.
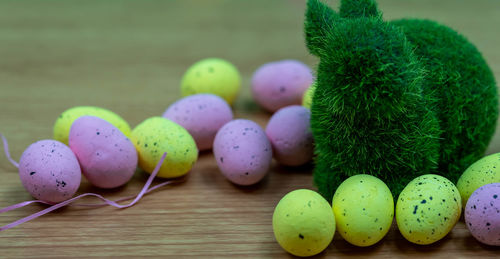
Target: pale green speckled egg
x=364, y=209
x=427, y=209
x=157, y=135
x=308, y=96
x=303, y=223
x=66, y=119
x=484, y=171
x=214, y=76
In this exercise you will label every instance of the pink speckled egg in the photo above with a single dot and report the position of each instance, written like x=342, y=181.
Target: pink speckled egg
x=49, y=171
x=107, y=157
x=482, y=214
x=282, y=83
x=202, y=115
x=242, y=151
x=290, y=135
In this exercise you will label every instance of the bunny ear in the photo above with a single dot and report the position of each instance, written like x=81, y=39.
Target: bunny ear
x=319, y=20
x=359, y=8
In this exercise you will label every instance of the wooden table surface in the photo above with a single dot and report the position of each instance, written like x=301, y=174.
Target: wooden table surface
x=129, y=56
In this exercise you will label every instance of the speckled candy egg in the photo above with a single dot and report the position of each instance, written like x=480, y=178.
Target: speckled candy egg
x=427, y=209
x=279, y=84
x=290, y=135
x=157, y=135
x=364, y=209
x=49, y=171
x=482, y=172
x=202, y=115
x=66, y=119
x=107, y=157
x=212, y=75
x=308, y=96
x=242, y=151
x=303, y=223
x=482, y=214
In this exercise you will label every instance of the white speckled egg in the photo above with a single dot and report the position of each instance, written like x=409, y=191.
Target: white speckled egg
x=290, y=134
x=482, y=172
x=49, y=171
x=107, y=157
x=482, y=214
x=364, y=209
x=202, y=115
x=427, y=209
x=242, y=151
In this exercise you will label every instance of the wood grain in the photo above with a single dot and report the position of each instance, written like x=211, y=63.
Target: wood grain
x=129, y=56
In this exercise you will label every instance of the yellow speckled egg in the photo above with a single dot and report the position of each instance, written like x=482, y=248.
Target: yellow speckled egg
x=66, y=119
x=364, y=209
x=308, y=96
x=484, y=171
x=214, y=76
x=303, y=223
x=427, y=209
x=157, y=135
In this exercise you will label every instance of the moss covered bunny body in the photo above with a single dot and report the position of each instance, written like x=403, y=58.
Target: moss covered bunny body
x=395, y=99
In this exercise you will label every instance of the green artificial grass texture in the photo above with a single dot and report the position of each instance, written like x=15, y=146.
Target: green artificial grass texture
x=394, y=99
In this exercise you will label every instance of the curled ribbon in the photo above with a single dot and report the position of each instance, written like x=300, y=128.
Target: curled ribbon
x=53, y=207
x=7, y=153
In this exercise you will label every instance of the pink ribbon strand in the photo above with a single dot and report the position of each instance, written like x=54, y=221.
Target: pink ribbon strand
x=144, y=191
x=6, y=150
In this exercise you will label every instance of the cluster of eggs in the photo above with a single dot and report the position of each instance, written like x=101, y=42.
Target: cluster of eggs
x=101, y=145
x=244, y=150
x=362, y=210
x=50, y=170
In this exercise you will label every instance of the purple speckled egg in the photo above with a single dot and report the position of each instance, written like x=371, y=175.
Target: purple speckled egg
x=107, y=157
x=482, y=214
x=202, y=115
x=242, y=151
x=290, y=135
x=282, y=83
x=49, y=171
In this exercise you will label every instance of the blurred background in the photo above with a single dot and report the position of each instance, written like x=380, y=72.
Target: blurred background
x=129, y=56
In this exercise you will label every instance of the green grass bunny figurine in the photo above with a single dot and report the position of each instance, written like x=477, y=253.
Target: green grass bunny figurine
x=395, y=99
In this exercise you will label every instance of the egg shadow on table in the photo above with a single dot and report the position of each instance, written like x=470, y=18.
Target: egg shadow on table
x=138, y=178
x=142, y=177
x=291, y=170
x=259, y=186
x=86, y=187
x=342, y=247
x=292, y=175
x=205, y=153
x=407, y=247
x=472, y=244
x=339, y=246
x=248, y=109
x=211, y=175
x=281, y=170
x=275, y=168
x=207, y=169
x=247, y=106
